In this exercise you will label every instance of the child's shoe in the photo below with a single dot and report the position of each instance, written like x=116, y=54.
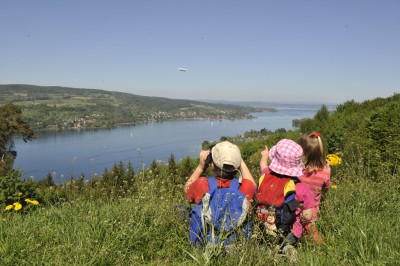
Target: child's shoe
x=312, y=235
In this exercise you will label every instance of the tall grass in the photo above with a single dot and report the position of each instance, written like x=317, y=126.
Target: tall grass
x=131, y=231
x=359, y=221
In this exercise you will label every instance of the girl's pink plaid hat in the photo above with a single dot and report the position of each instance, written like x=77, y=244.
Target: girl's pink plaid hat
x=286, y=158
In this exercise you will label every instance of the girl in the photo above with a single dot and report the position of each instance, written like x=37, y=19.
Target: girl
x=316, y=175
x=278, y=181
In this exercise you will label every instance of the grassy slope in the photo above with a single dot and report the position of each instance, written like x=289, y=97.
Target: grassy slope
x=359, y=221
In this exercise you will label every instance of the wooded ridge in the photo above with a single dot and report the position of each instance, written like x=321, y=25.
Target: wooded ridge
x=54, y=107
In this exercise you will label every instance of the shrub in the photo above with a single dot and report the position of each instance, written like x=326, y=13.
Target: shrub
x=17, y=193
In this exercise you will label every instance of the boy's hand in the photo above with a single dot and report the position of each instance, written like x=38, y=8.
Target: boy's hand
x=203, y=157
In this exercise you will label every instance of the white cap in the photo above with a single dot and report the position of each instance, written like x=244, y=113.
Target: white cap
x=226, y=153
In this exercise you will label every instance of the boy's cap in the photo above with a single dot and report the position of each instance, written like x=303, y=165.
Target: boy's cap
x=226, y=153
x=286, y=158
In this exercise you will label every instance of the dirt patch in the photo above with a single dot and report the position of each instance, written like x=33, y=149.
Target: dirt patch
x=82, y=97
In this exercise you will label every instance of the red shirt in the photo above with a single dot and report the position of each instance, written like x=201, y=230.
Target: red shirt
x=199, y=188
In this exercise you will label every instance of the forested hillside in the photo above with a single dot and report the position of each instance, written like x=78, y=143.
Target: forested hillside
x=60, y=107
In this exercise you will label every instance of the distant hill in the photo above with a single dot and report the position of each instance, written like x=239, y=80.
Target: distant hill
x=273, y=105
x=54, y=107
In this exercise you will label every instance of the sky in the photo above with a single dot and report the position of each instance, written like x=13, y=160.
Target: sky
x=264, y=50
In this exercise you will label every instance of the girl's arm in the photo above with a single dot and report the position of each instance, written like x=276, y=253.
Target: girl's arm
x=264, y=159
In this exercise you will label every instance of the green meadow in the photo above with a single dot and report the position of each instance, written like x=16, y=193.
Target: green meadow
x=126, y=216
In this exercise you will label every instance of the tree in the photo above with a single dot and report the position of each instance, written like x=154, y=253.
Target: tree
x=11, y=125
x=322, y=115
x=172, y=165
x=154, y=168
x=130, y=178
x=206, y=145
x=280, y=130
x=48, y=181
x=186, y=168
x=383, y=131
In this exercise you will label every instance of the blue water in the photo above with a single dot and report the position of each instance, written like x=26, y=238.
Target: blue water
x=89, y=152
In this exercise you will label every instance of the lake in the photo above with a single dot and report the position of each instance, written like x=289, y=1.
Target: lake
x=72, y=152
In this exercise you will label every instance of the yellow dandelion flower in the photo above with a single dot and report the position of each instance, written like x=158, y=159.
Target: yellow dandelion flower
x=19, y=194
x=9, y=207
x=34, y=202
x=17, y=206
x=334, y=159
x=334, y=186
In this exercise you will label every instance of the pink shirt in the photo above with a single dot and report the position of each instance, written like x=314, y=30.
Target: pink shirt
x=317, y=181
x=304, y=196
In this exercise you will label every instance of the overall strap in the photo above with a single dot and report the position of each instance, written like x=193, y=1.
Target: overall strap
x=296, y=180
x=212, y=183
x=290, y=198
x=235, y=183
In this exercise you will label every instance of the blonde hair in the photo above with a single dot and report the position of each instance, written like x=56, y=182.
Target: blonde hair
x=313, y=151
